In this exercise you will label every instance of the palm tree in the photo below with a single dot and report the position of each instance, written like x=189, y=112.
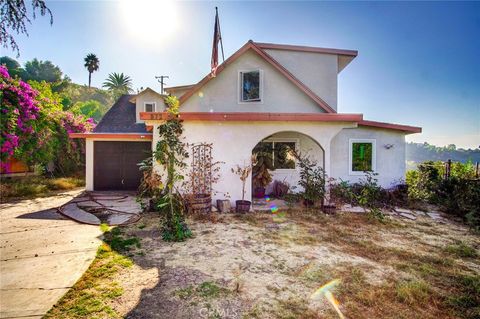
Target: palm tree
x=118, y=83
x=92, y=63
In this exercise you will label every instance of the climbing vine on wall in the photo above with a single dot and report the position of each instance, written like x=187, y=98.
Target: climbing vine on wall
x=170, y=152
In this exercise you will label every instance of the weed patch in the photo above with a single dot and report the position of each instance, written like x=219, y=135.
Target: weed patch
x=413, y=292
x=36, y=186
x=91, y=295
x=462, y=250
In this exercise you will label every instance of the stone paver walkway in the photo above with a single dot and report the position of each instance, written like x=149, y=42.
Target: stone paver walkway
x=112, y=208
x=42, y=254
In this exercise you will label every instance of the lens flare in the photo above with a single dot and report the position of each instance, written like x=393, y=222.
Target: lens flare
x=200, y=94
x=267, y=199
x=325, y=290
x=273, y=208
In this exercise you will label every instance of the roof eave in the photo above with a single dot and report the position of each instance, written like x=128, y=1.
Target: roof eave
x=254, y=116
x=122, y=136
x=391, y=126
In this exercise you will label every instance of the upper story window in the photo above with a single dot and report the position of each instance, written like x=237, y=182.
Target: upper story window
x=362, y=156
x=251, y=86
x=150, y=106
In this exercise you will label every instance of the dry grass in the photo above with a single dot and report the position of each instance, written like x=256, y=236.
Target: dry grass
x=266, y=266
x=36, y=186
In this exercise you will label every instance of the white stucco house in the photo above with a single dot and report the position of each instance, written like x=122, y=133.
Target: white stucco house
x=279, y=94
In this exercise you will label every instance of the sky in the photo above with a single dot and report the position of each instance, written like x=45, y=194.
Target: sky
x=418, y=62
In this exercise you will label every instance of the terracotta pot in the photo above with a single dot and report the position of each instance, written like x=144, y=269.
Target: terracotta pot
x=242, y=206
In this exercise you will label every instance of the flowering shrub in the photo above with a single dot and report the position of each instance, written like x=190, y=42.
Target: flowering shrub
x=19, y=110
x=34, y=128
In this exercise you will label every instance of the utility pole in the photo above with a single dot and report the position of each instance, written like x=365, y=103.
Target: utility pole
x=160, y=80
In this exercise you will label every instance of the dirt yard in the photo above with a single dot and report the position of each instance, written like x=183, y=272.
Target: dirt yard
x=268, y=266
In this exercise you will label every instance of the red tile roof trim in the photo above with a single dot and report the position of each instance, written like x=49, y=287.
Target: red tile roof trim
x=398, y=127
x=272, y=117
x=251, y=45
x=123, y=136
x=254, y=116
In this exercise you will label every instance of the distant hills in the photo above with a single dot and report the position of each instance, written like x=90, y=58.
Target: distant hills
x=418, y=152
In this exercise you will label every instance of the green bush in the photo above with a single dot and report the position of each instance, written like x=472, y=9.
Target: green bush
x=458, y=195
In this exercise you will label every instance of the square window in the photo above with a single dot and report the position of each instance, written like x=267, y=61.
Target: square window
x=362, y=156
x=149, y=106
x=250, y=86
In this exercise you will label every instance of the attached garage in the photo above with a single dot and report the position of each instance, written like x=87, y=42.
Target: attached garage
x=115, y=164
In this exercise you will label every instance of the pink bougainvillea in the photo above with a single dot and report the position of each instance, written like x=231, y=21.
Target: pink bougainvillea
x=19, y=110
x=34, y=128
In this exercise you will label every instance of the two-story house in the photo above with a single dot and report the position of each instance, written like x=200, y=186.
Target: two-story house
x=278, y=94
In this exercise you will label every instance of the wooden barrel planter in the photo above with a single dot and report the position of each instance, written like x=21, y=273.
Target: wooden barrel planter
x=200, y=203
x=242, y=206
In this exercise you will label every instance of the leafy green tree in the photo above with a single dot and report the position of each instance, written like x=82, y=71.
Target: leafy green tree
x=37, y=70
x=14, y=18
x=90, y=109
x=92, y=63
x=14, y=68
x=74, y=93
x=118, y=83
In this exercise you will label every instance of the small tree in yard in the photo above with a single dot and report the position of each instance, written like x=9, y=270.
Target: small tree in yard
x=312, y=179
x=369, y=196
x=243, y=206
x=170, y=153
x=243, y=172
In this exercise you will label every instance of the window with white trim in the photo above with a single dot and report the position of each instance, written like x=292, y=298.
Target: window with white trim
x=150, y=106
x=251, y=86
x=362, y=156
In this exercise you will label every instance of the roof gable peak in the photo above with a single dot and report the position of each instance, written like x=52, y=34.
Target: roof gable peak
x=250, y=45
x=147, y=90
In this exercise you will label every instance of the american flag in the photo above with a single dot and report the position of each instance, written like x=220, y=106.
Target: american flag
x=217, y=38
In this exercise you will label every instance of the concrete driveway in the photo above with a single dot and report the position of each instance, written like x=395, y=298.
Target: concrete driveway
x=42, y=255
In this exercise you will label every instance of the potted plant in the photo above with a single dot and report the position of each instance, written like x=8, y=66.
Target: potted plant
x=243, y=206
x=263, y=164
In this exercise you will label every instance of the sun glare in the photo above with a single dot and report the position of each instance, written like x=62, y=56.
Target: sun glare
x=149, y=20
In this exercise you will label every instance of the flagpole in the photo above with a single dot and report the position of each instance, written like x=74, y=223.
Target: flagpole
x=220, y=33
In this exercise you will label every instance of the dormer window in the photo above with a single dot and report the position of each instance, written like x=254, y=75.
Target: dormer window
x=251, y=86
x=150, y=106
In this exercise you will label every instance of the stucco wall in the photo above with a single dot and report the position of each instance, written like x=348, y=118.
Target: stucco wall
x=318, y=71
x=390, y=163
x=178, y=92
x=233, y=143
x=148, y=97
x=222, y=93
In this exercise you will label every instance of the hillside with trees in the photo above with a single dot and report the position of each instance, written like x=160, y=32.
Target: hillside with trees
x=419, y=153
x=78, y=99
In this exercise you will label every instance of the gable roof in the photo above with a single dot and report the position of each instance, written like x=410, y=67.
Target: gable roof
x=120, y=118
x=147, y=90
x=344, y=56
x=250, y=45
